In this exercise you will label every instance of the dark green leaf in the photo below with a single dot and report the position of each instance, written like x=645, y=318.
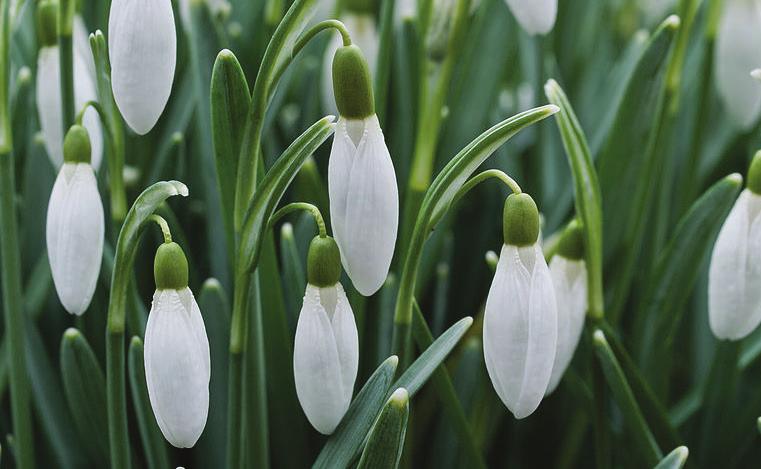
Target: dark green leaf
x=386, y=440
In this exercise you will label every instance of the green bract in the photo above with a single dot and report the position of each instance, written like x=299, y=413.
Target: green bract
x=352, y=83
x=323, y=262
x=520, y=220
x=571, y=244
x=76, y=145
x=47, y=23
x=170, y=267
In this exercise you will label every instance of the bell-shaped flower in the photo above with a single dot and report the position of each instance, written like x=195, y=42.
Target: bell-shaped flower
x=736, y=54
x=569, y=278
x=535, y=16
x=734, y=276
x=142, y=47
x=326, y=348
x=48, y=88
x=75, y=226
x=364, y=200
x=177, y=360
x=364, y=33
x=520, y=320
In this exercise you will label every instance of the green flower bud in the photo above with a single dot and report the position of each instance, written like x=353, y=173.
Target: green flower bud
x=520, y=220
x=352, y=84
x=47, y=23
x=323, y=262
x=76, y=145
x=571, y=244
x=170, y=267
x=360, y=6
x=754, y=174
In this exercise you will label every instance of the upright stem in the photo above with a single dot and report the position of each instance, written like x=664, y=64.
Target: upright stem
x=66, y=53
x=11, y=265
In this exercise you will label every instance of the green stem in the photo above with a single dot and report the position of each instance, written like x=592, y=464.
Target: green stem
x=316, y=29
x=383, y=64
x=118, y=434
x=11, y=264
x=483, y=176
x=163, y=226
x=293, y=207
x=66, y=53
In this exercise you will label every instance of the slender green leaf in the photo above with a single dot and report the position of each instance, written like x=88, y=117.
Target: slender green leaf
x=385, y=442
x=230, y=104
x=85, y=387
x=643, y=438
x=675, y=459
x=344, y=444
x=294, y=279
x=153, y=441
x=586, y=190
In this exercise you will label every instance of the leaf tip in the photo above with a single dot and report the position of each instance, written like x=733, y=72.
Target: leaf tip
x=672, y=22
x=599, y=337
x=211, y=284
x=735, y=178
x=399, y=398
x=180, y=188
x=682, y=452
x=71, y=334
x=393, y=360
x=135, y=342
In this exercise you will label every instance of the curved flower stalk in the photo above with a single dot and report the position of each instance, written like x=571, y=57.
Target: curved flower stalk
x=520, y=320
x=142, y=46
x=48, y=92
x=75, y=225
x=326, y=349
x=734, y=296
x=569, y=278
x=535, y=16
x=736, y=54
x=364, y=33
x=364, y=199
x=177, y=359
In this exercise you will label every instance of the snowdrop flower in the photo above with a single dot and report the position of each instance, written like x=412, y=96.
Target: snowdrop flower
x=364, y=201
x=48, y=90
x=177, y=360
x=569, y=277
x=535, y=16
x=75, y=226
x=520, y=321
x=734, y=277
x=736, y=53
x=364, y=34
x=326, y=349
x=143, y=51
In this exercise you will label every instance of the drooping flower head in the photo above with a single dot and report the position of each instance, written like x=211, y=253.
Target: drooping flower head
x=535, y=16
x=142, y=47
x=734, y=277
x=569, y=278
x=75, y=225
x=177, y=360
x=364, y=200
x=736, y=54
x=326, y=349
x=48, y=89
x=520, y=320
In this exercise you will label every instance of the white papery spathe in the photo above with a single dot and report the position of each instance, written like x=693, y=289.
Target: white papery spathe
x=177, y=366
x=364, y=201
x=325, y=356
x=143, y=51
x=364, y=34
x=535, y=16
x=734, y=277
x=569, y=278
x=520, y=328
x=736, y=54
x=74, y=232
x=49, y=105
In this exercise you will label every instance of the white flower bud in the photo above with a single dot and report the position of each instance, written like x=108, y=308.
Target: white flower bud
x=142, y=47
x=520, y=328
x=535, y=16
x=325, y=356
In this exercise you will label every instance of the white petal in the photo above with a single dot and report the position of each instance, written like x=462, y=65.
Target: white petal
x=535, y=16
x=520, y=329
x=569, y=278
x=364, y=35
x=324, y=364
x=75, y=229
x=364, y=207
x=142, y=47
x=177, y=366
x=49, y=103
x=736, y=54
x=734, y=299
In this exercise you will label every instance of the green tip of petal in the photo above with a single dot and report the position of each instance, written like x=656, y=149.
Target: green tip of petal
x=170, y=267
x=323, y=262
x=76, y=145
x=520, y=220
